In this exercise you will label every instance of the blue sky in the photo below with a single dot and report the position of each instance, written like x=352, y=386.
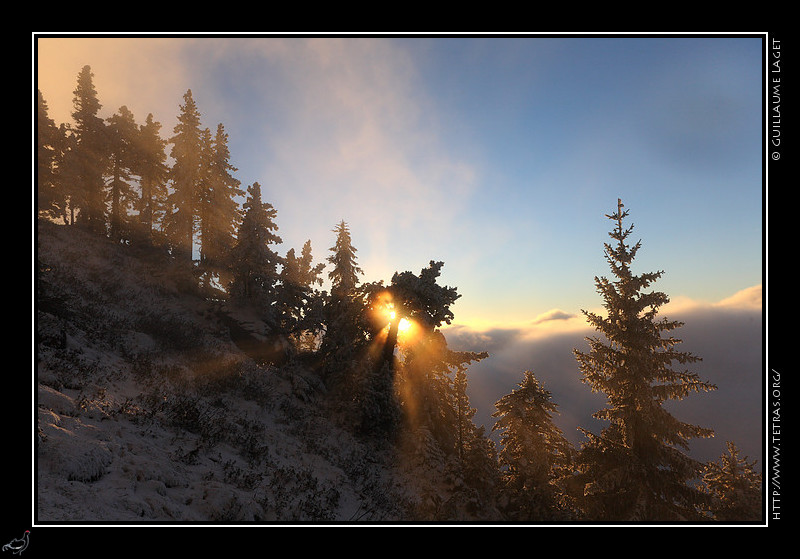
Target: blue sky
x=499, y=156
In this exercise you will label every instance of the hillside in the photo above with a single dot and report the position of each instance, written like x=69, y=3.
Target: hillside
x=148, y=411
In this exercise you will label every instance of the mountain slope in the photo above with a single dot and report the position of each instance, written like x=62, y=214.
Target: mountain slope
x=147, y=411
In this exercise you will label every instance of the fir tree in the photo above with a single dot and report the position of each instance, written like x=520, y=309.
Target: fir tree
x=735, y=488
x=296, y=294
x=185, y=175
x=219, y=212
x=123, y=134
x=636, y=468
x=343, y=309
x=344, y=276
x=89, y=160
x=153, y=173
x=419, y=299
x=254, y=263
x=535, y=454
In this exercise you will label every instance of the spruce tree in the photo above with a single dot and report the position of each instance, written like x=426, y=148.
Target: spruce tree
x=344, y=276
x=153, y=173
x=89, y=161
x=122, y=132
x=219, y=213
x=185, y=176
x=735, y=487
x=534, y=454
x=254, y=264
x=343, y=308
x=297, y=297
x=636, y=468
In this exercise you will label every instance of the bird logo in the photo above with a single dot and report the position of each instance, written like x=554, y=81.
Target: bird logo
x=18, y=545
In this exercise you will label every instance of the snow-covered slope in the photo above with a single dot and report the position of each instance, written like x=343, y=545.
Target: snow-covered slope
x=148, y=412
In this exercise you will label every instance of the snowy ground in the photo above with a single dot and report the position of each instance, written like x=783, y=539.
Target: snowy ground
x=146, y=413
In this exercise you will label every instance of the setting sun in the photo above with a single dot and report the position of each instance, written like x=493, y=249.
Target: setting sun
x=404, y=326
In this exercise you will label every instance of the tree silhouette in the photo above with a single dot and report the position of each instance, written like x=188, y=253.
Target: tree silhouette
x=185, y=176
x=254, y=263
x=636, y=468
x=218, y=211
x=89, y=160
x=49, y=201
x=122, y=132
x=153, y=173
x=296, y=293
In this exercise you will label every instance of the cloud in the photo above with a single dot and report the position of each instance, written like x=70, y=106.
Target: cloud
x=146, y=75
x=750, y=298
x=332, y=128
x=727, y=337
x=553, y=314
x=360, y=142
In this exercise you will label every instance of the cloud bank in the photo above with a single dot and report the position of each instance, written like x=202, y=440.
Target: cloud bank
x=726, y=335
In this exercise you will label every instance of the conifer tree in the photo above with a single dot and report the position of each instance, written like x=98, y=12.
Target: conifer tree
x=296, y=294
x=89, y=160
x=535, y=454
x=735, y=487
x=153, y=173
x=122, y=132
x=636, y=469
x=68, y=174
x=343, y=309
x=219, y=212
x=185, y=176
x=344, y=276
x=254, y=268
x=420, y=299
x=49, y=200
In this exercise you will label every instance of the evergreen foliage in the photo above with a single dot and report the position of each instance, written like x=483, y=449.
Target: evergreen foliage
x=535, y=455
x=299, y=303
x=123, y=143
x=735, y=487
x=49, y=201
x=185, y=176
x=254, y=264
x=218, y=212
x=344, y=276
x=153, y=174
x=386, y=384
x=636, y=468
x=90, y=154
x=344, y=309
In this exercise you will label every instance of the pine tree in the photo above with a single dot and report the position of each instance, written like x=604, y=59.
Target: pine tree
x=123, y=133
x=735, y=488
x=636, y=468
x=535, y=454
x=219, y=212
x=89, y=160
x=254, y=263
x=153, y=173
x=185, y=175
